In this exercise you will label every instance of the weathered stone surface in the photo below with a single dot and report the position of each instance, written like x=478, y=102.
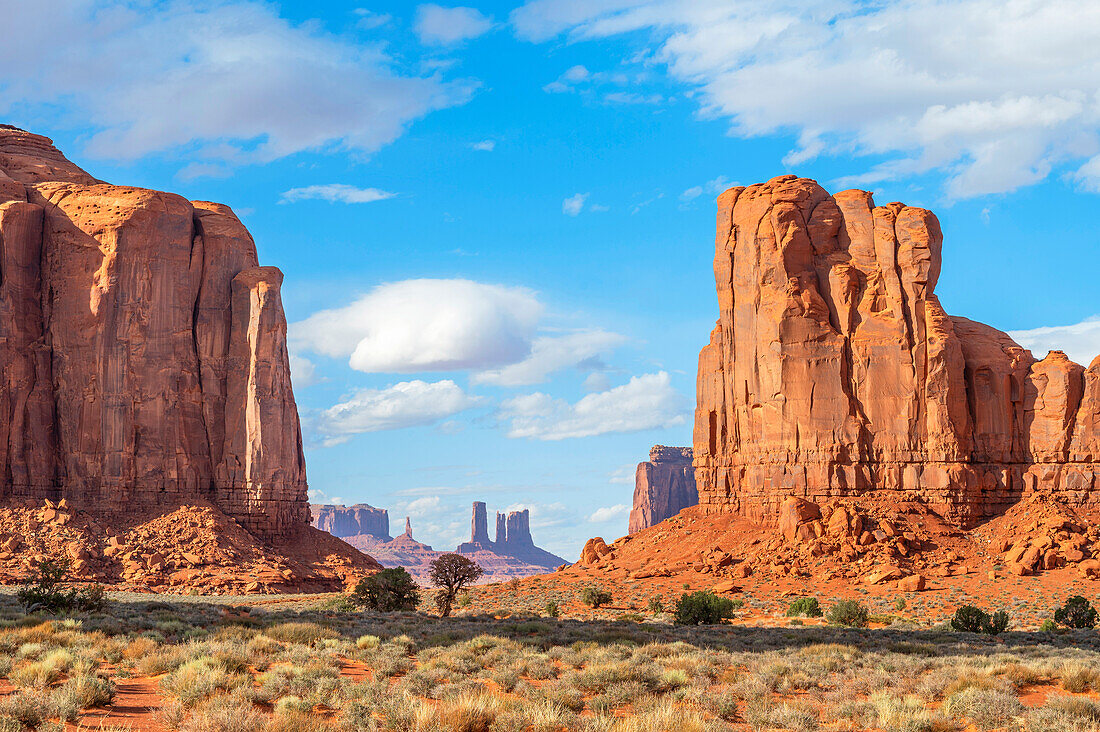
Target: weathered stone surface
x=663, y=487
x=345, y=521
x=144, y=357
x=833, y=371
x=513, y=538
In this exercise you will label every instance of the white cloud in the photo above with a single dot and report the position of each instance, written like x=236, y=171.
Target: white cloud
x=624, y=475
x=484, y=145
x=336, y=192
x=426, y=325
x=1080, y=341
x=573, y=205
x=606, y=514
x=369, y=20
x=568, y=80
x=302, y=371
x=228, y=81
x=440, y=26
x=406, y=404
x=646, y=402
x=550, y=354
x=691, y=193
x=930, y=85
x=597, y=381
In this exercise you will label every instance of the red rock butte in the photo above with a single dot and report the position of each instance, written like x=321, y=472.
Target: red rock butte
x=144, y=358
x=833, y=371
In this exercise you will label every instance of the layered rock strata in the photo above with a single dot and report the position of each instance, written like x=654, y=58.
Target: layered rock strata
x=345, y=521
x=144, y=359
x=513, y=538
x=834, y=371
x=663, y=486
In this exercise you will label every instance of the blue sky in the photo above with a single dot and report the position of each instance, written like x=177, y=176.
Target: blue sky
x=496, y=221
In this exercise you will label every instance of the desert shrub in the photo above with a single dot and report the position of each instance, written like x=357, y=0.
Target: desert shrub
x=552, y=609
x=1076, y=613
x=389, y=590
x=28, y=708
x=970, y=619
x=88, y=691
x=703, y=608
x=984, y=707
x=595, y=596
x=47, y=590
x=807, y=607
x=1048, y=626
x=900, y=604
x=1078, y=678
x=656, y=605
x=452, y=573
x=849, y=613
x=299, y=632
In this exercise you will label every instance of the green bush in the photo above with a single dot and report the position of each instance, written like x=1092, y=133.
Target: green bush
x=703, y=608
x=1076, y=613
x=552, y=609
x=389, y=590
x=849, y=613
x=47, y=590
x=806, y=607
x=595, y=596
x=970, y=619
x=656, y=605
x=1048, y=626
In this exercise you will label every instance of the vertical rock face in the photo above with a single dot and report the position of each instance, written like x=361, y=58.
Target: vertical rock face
x=502, y=528
x=479, y=524
x=360, y=519
x=663, y=487
x=834, y=371
x=144, y=349
x=518, y=526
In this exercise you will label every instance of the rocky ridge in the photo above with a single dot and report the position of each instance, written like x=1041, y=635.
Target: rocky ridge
x=663, y=486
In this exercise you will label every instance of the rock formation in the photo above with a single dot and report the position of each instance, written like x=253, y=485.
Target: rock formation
x=834, y=371
x=513, y=538
x=663, y=487
x=144, y=362
x=344, y=521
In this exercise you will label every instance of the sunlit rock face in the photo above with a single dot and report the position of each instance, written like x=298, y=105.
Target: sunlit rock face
x=834, y=371
x=144, y=350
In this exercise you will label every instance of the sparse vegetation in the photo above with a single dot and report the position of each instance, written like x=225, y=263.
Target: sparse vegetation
x=48, y=590
x=970, y=619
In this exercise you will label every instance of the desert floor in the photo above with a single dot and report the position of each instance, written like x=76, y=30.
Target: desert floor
x=274, y=663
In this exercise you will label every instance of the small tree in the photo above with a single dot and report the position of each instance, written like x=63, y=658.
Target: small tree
x=389, y=590
x=452, y=573
x=595, y=596
x=656, y=605
x=703, y=608
x=1076, y=613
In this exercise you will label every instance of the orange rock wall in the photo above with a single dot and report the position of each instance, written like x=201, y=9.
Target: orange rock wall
x=834, y=371
x=144, y=356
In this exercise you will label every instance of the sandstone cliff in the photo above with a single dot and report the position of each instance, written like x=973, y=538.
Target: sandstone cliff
x=345, y=521
x=143, y=359
x=834, y=371
x=513, y=538
x=663, y=487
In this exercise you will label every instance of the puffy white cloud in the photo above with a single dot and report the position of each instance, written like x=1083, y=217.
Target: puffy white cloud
x=440, y=26
x=336, y=192
x=646, y=402
x=426, y=325
x=606, y=514
x=303, y=372
x=932, y=85
x=1080, y=341
x=227, y=80
x=573, y=205
x=406, y=404
x=550, y=354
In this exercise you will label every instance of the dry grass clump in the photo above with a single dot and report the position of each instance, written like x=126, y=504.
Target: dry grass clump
x=986, y=708
x=1078, y=678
